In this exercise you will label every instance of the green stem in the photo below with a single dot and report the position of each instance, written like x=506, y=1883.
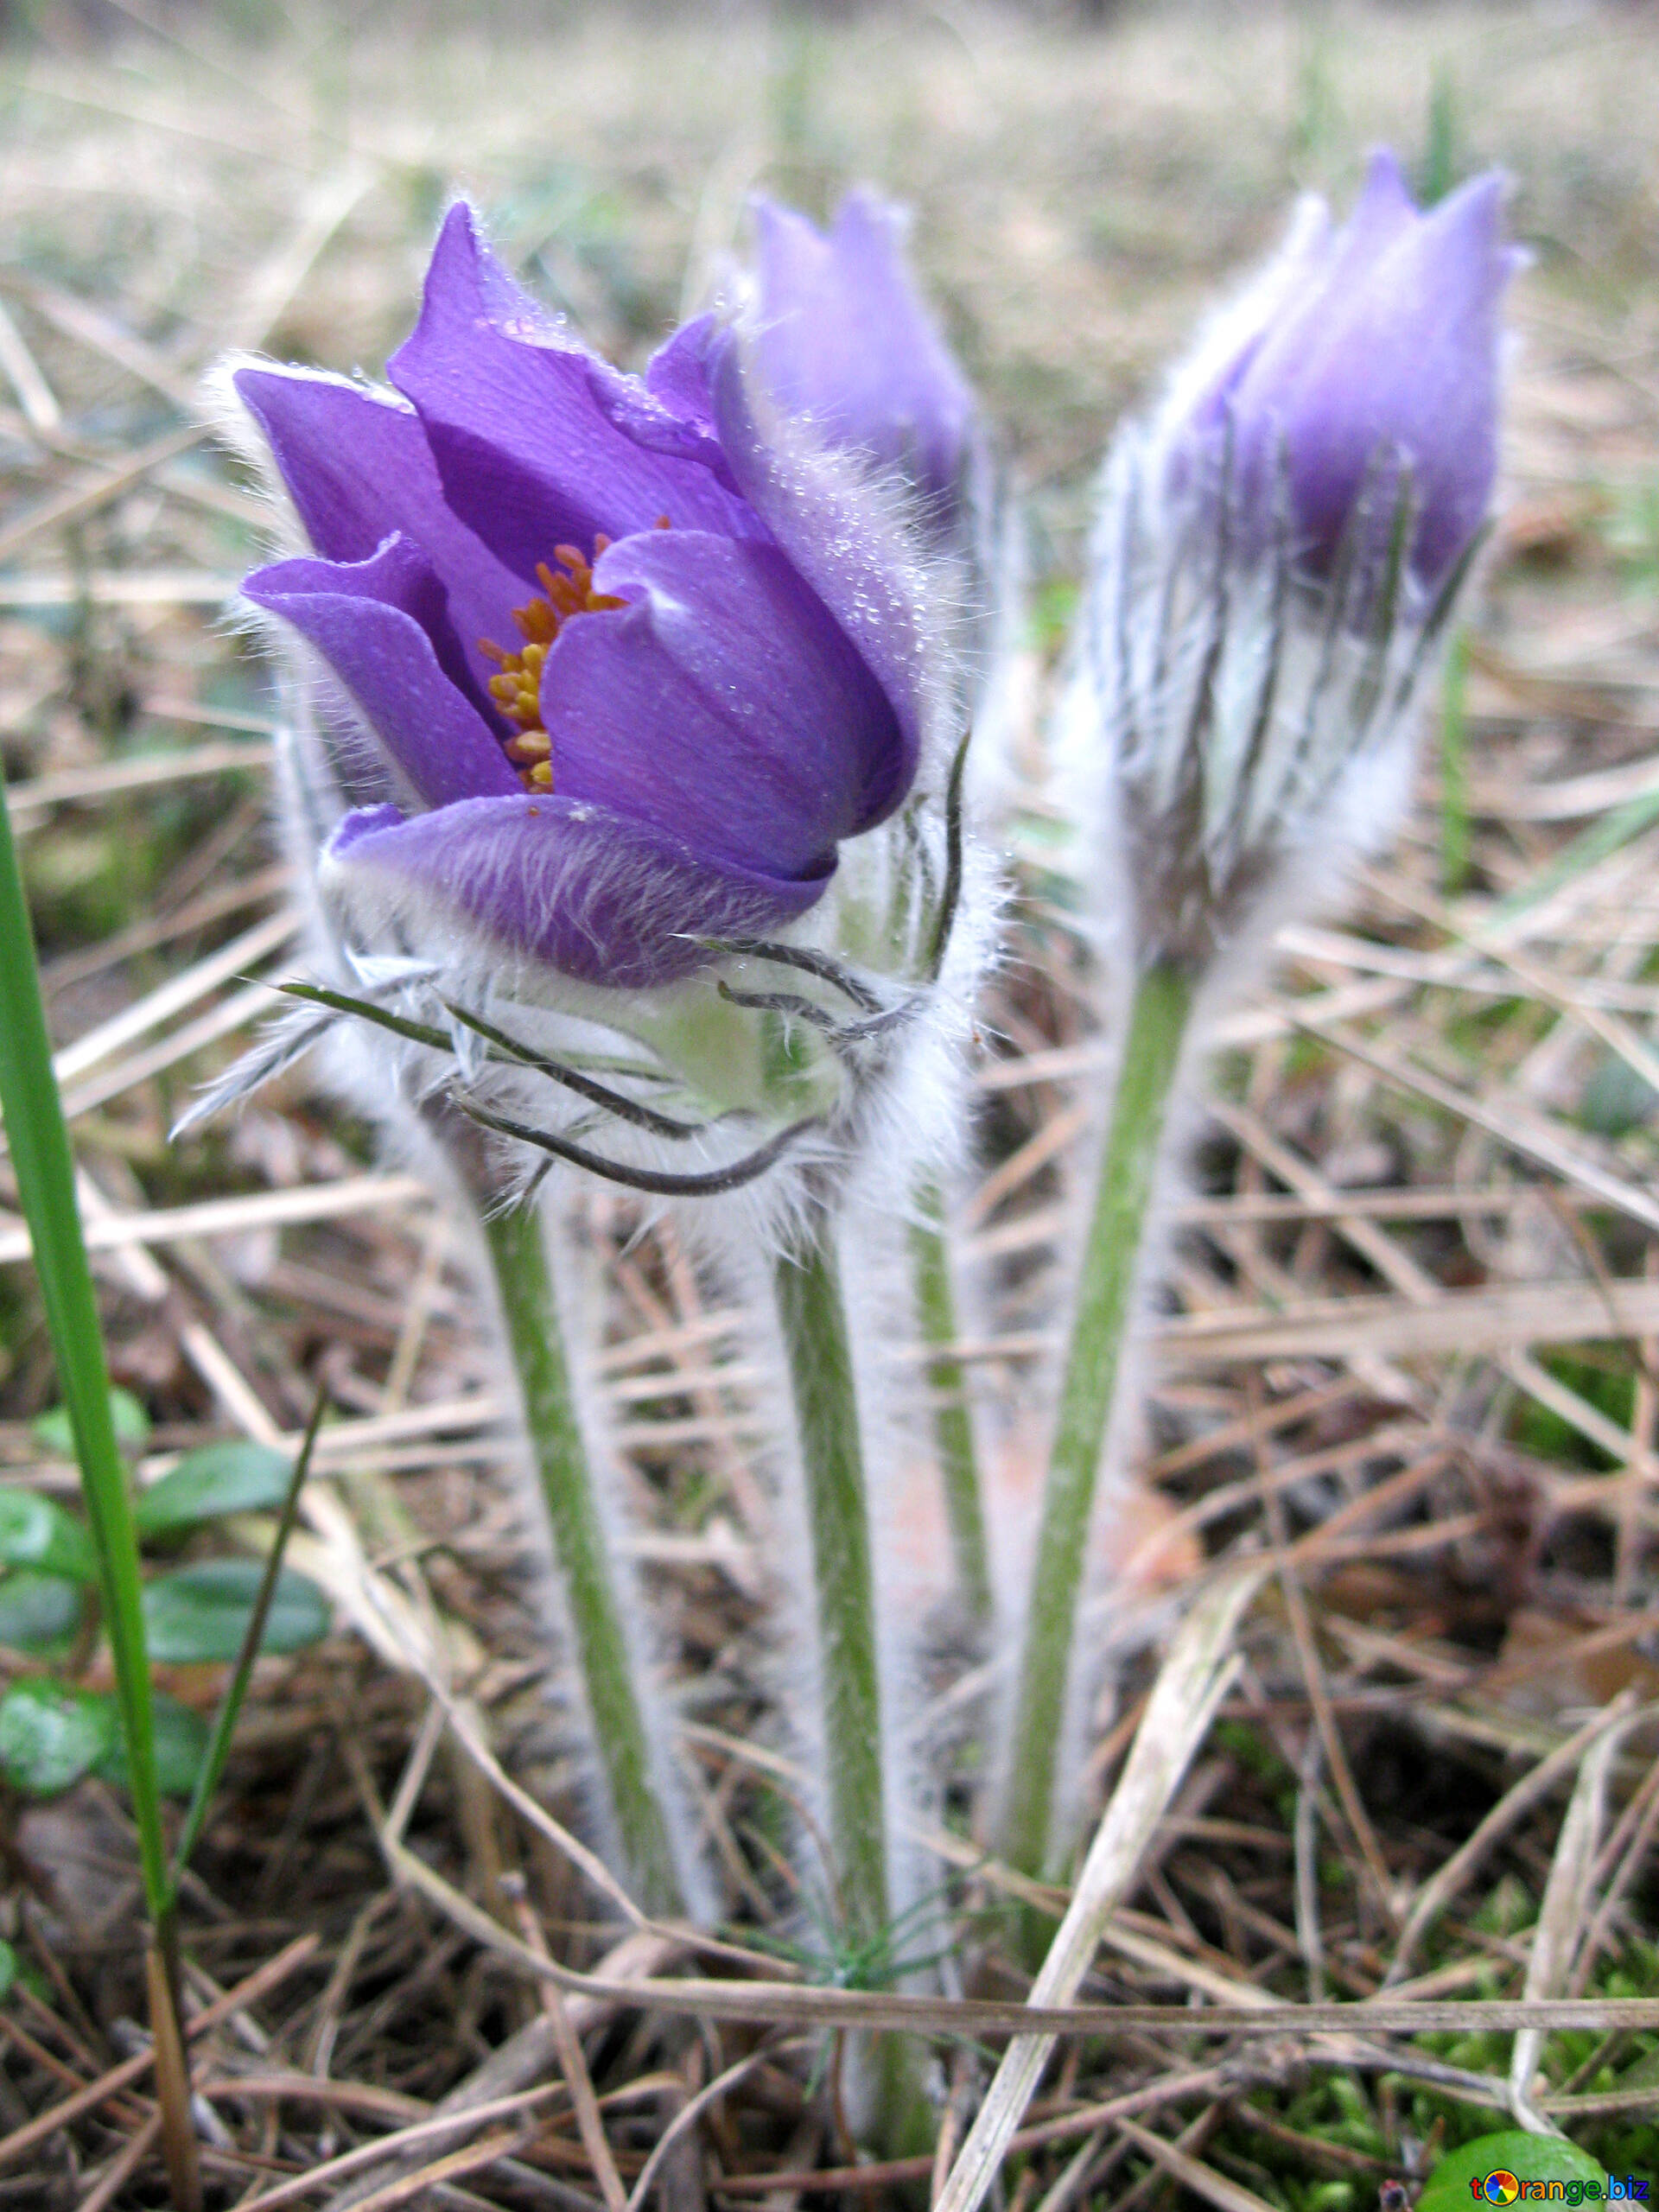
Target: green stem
x=953, y=1426
x=819, y=1354
x=820, y=1359
x=1454, y=767
x=1158, y=1019
x=517, y=1253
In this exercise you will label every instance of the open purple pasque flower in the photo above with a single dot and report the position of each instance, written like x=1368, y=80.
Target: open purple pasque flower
x=1361, y=352
x=635, y=669
x=845, y=342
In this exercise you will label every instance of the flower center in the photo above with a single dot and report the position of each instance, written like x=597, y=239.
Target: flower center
x=517, y=689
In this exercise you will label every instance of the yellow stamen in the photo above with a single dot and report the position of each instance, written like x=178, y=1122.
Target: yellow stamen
x=517, y=690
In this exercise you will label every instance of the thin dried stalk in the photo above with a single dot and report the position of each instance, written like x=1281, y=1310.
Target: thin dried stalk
x=1194, y=1678
x=1561, y=1915
x=1444, y=1885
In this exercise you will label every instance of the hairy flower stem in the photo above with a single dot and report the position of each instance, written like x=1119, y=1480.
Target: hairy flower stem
x=820, y=1358
x=518, y=1257
x=953, y=1426
x=813, y=1318
x=1152, y=1052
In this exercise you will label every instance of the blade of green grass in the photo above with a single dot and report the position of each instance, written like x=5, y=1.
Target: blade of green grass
x=1605, y=836
x=46, y=1188
x=1440, y=163
x=236, y=1689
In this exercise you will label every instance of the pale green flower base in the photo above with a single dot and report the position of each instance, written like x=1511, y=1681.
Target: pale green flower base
x=1152, y=1052
x=518, y=1252
x=953, y=1426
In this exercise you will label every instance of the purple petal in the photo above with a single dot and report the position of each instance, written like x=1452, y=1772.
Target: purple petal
x=670, y=412
x=724, y=707
x=600, y=897
x=522, y=422
x=372, y=621
x=1409, y=362
x=677, y=374
x=1199, y=407
x=854, y=558
x=359, y=468
x=1384, y=213
x=846, y=341
x=1391, y=352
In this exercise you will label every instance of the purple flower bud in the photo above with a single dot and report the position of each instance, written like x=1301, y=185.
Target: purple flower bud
x=1276, y=560
x=1360, y=370
x=634, y=673
x=845, y=342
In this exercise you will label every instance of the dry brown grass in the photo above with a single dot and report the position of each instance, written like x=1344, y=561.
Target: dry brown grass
x=1411, y=1354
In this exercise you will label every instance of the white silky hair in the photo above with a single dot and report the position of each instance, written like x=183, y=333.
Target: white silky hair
x=1233, y=736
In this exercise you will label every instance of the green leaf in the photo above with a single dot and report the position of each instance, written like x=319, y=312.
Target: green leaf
x=1617, y=1099
x=50, y=1736
x=201, y=1612
x=8, y=1969
x=56, y=1432
x=218, y=1478
x=1511, y=2156
x=36, y=1531
x=37, y=1612
x=181, y=1747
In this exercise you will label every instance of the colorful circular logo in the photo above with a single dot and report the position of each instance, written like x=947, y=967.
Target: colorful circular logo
x=1501, y=2188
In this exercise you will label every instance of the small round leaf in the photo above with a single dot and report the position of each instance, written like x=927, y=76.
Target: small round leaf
x=201, y=1612
x=181, y=1746
x=56, y=1431
x=218, y=1478
x=37, y=1612
x=1489, y=2170
x=50, y=1736
x=36, y=1531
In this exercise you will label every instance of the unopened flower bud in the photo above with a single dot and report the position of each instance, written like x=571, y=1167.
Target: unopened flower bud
x=845, y=342
x=1278, y=552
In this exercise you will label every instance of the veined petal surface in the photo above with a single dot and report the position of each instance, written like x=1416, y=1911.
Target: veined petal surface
x=598, y=896
x=724, y=706
x=357, y=468
x=373, y=622
x=528, y=451
x=846, y=341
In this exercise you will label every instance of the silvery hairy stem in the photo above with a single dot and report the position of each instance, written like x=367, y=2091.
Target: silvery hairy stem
x=953, y=1422
x=1156, y=1034
x=593, y=1588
